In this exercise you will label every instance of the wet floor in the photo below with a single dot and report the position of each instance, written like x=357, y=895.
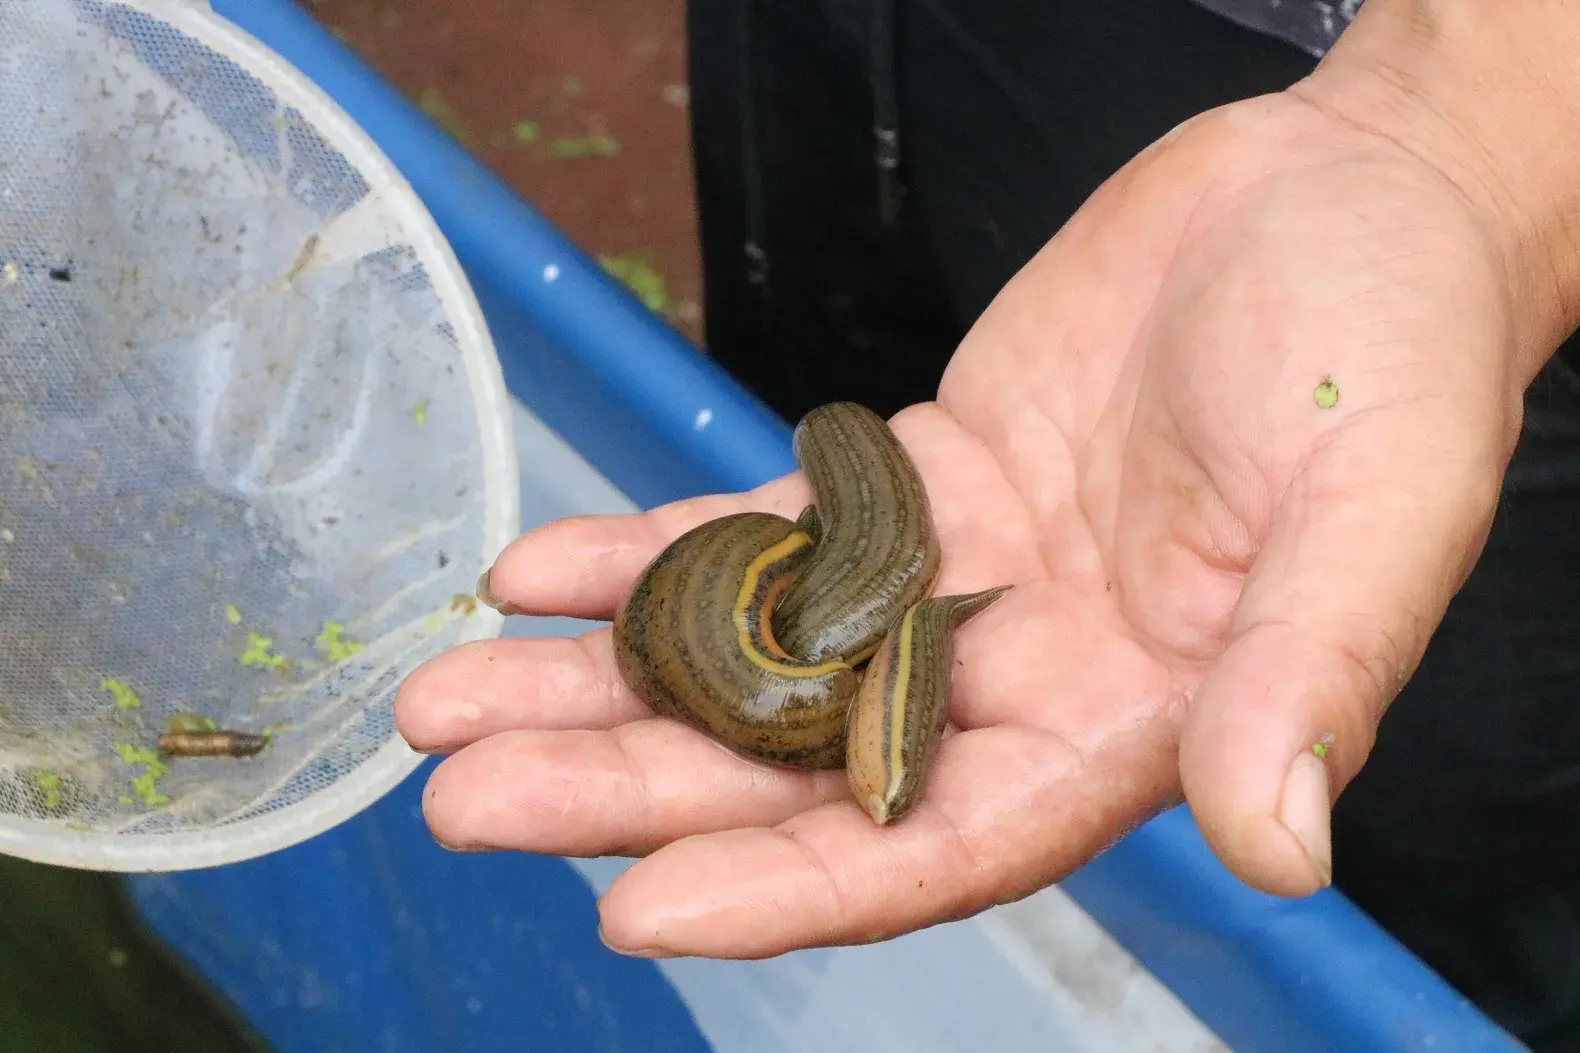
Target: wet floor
x=580, y=105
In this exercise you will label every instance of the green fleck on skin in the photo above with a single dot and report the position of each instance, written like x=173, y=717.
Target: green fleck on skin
x=232, y=614
x=332, y=641
x=636, y=271
x=1320, y=749
x=584, y=146
x=526, y=131
x=125, y=697
x=1327, y=394
x=260, y=655
x=420, y=411
x=49, y=782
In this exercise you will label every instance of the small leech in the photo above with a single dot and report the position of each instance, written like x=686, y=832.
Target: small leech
x=897, y=721
x=212, y=743
x=693, y=641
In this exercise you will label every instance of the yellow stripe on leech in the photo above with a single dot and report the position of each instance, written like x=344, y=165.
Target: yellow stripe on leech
x=898, y=698
x=797, y=541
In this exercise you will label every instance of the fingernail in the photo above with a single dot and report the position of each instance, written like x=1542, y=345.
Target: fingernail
x=630, y=952
x=1305, y=812
x=486, y=594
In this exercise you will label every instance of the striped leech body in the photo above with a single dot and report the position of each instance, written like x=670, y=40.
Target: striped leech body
x=897, y=720
x=877, y=550
x=750, y=627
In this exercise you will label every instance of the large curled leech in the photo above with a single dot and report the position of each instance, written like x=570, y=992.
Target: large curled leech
x=750, y=628
x=694, y=642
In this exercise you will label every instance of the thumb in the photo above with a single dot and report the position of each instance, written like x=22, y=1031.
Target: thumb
x=1368, y=545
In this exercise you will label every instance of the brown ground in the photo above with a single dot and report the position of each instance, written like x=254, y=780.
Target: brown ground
x=524, y=83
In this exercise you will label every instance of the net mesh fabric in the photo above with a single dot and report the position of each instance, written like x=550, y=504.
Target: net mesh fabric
x=253, y=443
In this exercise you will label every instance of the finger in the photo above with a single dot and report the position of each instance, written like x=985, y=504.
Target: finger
x=1007, y=812
x=1360, y=564
x=490, y=686
x=582, y=567
x=621, y=792
x=982, y=521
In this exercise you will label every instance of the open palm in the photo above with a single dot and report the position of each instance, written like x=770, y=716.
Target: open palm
x=1214, y=572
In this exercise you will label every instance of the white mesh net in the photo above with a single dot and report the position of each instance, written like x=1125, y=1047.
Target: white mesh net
x=254, y=444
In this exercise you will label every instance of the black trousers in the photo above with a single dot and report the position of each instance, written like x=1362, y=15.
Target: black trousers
x=835, y=271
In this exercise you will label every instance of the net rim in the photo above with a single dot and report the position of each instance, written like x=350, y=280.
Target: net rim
x=361, y=787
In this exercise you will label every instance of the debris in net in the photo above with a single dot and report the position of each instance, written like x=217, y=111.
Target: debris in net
x=260, y=654
x=303, y=258
x=332, y=641
x=123, y=693
x=146, y=785
x=49, y=782
x=180, y=723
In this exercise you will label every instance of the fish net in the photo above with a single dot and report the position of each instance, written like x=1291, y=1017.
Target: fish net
x=254, y=443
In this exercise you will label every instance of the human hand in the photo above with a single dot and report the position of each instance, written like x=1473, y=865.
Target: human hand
x=1214, y=573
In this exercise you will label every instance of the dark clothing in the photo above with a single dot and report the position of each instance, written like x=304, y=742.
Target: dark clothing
x=846, y=263
x=1309, y=24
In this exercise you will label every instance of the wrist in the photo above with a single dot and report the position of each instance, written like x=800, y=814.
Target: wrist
x=1488, y=95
